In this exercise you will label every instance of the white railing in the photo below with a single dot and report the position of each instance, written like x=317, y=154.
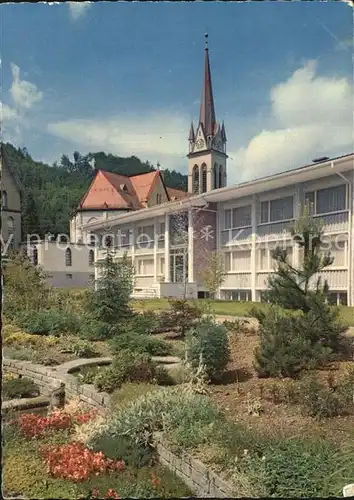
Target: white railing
x=238, y=280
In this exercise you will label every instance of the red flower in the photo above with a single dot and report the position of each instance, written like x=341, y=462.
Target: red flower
x=112, y=494
x=155, y=480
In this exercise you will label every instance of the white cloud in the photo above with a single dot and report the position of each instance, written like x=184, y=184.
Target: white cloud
x=156, y=136
x=24, y=96
x=78, y=9
x=311, y=116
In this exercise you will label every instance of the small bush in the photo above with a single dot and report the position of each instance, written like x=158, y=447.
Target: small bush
x=237, y=326
x=19, y=388
x=49, y=322
x=141, y=343
x=26, y=339
x=83, y=349
x=127, y=366
x=208, y=341
x=128, y=392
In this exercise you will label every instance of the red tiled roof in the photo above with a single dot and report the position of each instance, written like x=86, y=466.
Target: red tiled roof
x=109, y=190
x=176, y=193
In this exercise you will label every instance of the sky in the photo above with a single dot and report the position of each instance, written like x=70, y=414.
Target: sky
x=125, y=78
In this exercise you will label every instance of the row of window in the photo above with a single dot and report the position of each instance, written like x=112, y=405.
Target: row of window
x=199, y=178
x=334, y=298
x=240, y=260
x=145, y=266
x=321, y=202
x=68, y=257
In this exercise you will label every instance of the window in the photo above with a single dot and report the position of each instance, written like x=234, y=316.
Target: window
x=10, y=225
x=241, y=260
x=145, y=237
x=91, y=258
x=124, y=237
x=35, y=256
x=238, y=217
x=228, y=262
x=263, y=259
x=107, y=241
x=277, y=210
x=92, y=240
x=328, y=200
x=68, y=257
x=161, y=265
x=69, y=276
x=204, y=178
x=221, y=175
x=195, y=179
x=228, y=221
x=241, y=216
x=158, y=199
x=145, y=266
x=4, y=199
x=216, y=176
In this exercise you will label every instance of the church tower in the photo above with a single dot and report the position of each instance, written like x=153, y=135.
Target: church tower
x=207, y=144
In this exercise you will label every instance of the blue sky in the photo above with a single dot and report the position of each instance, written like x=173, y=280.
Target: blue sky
x=125, y=78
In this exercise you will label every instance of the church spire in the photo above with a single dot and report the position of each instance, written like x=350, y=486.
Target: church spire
x=207, y=110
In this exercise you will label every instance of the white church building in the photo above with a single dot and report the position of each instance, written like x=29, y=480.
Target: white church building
x=169, y=234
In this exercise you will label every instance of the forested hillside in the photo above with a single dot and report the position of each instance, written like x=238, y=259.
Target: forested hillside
x=51, y=193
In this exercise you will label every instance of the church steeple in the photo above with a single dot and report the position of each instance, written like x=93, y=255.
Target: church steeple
x=207, y=145
x=207, y=110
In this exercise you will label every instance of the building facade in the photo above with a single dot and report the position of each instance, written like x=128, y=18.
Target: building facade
x=170, y=243
x=11, y=190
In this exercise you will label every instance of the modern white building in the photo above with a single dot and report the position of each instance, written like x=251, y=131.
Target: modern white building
x=169, y=243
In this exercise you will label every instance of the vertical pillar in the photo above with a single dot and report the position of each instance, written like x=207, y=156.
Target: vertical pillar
x=155, y=249
x=298, y=201
x=167, y=248
x=254, y=248
x=218, y=226
x=133, y=244
x=190, y=247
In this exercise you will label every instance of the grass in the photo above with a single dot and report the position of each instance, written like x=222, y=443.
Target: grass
x=229, y=308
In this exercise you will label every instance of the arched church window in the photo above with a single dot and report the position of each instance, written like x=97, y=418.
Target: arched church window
x=68, y=257
x=221, y=175
x=91, y=258
x=4, y=199
x=195, y=179
x=216, y=176
x=204, y=178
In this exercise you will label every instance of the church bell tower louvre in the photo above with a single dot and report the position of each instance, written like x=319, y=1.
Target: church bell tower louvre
x=207, y=143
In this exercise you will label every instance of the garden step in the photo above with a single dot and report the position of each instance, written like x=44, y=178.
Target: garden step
x=166, y=359
x=24, y=403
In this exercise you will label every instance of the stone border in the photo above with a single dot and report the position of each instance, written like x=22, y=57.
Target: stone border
x=193, y=472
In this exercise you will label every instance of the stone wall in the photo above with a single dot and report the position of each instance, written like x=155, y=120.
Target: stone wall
x=203, y=482
x=194, y=473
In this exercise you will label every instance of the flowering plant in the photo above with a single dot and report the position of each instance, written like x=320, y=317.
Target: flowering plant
x=75, y=462
x=34, y=425
x=111, y=493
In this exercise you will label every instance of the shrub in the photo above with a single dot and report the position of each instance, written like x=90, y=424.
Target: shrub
x=237, y=326
x=128, y=392
x=19, y=388
x=285, y=347
x=124, y=448
x=208, y=341
x=320, y=401
x=145, y=323
x=83, y=349
x=127, y=366
x=180, y=316
x=165, y=409
x=97, y=330
x=141, y=343
x=26, y=339
x=49, y=322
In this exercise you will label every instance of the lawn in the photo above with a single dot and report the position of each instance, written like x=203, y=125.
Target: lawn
x=229, y=308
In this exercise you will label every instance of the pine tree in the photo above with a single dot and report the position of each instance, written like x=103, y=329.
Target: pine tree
x=301, y=330
x=109, y=301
